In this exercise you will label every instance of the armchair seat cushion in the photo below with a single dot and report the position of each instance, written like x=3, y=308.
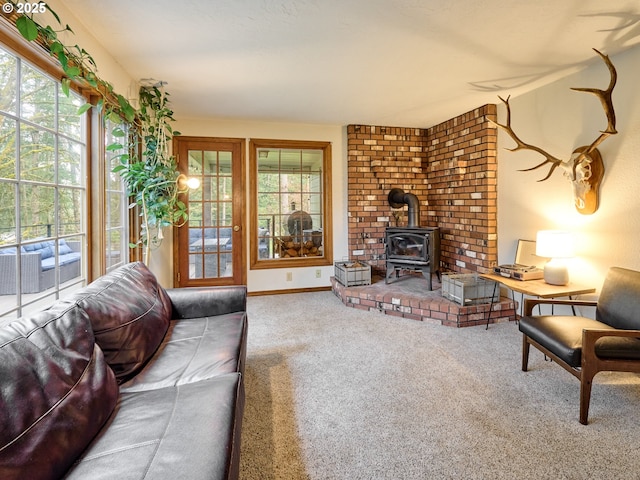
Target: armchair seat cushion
x=561, y=334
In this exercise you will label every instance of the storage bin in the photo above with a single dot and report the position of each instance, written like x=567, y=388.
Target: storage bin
x=469, y=289
x=353, y=273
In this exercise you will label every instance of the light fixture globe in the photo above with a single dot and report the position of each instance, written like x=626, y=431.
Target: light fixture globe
x=557, y=245
x=185, y=183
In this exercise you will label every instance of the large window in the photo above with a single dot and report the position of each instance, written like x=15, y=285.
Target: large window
x=42, y=188
x=116, y=240
x=291, y=197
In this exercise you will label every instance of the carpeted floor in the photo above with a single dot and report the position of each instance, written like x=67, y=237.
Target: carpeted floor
x=338, y=393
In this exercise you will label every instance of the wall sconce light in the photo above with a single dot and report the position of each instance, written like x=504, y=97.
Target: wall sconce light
x=187, y=183
x=557, y=245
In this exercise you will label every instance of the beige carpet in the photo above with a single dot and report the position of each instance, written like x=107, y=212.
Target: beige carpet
x=338, y=393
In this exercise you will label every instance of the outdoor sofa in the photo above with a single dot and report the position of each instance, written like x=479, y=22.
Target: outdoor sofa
x=38, y=261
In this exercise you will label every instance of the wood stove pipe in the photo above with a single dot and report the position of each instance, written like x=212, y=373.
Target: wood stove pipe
x=397, y=199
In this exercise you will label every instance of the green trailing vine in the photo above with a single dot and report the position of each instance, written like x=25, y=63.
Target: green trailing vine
x=76, y=63
x=142, y=149
x=152, y=180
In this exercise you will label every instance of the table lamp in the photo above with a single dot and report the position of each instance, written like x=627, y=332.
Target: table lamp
x=557, y=245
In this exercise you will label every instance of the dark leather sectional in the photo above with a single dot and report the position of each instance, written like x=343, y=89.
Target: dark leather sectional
x=125, y=380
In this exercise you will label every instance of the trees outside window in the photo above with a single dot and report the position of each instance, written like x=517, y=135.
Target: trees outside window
x=42, y=185
x=291, y=203
x=116, y=235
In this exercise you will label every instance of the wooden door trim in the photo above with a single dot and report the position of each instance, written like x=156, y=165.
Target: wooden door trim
x=239, y=196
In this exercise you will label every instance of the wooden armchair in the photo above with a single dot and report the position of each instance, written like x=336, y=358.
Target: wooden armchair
x=584, y=346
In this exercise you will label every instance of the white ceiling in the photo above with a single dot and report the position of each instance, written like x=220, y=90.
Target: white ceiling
x=409, y=63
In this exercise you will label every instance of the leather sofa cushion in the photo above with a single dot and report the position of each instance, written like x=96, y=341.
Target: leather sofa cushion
x=561, y=334
x=130, y=314
x=187, y=431
x=195, y=349
x=56, y=392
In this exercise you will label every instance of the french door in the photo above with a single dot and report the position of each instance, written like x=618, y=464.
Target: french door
x=209, y=249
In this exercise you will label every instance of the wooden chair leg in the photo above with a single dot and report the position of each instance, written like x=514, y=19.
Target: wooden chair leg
x=586, y=380
x=525, y=353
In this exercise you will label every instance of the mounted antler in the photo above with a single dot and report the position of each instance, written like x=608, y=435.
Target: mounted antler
x=585, y=168
x=520, y=145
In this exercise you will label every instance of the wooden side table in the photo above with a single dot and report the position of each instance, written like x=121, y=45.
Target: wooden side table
x=535, y=288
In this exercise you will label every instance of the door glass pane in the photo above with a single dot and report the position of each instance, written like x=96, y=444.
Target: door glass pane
x=225, y=163
x=210, y=216
x=210, y=161
x=226, y=213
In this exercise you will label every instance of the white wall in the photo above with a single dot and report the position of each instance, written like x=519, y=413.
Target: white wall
x=304, y=277
x=558, y=120
x=108, y=68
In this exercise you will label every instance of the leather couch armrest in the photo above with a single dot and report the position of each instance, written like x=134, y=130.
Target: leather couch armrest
x=529, y=303
x=194, y=302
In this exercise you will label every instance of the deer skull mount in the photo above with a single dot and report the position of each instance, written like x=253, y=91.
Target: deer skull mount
x=584, y=168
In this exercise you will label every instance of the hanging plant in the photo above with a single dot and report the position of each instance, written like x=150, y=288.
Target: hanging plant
x=148, y=170
x=152, y=179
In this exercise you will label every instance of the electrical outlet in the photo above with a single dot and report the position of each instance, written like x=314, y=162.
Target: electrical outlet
x=289, y=276
x=318, y=273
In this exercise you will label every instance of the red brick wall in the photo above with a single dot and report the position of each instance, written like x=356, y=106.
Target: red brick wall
x=450, y=167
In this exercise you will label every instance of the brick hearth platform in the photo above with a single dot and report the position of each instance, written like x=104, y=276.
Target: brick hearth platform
x=408, y=297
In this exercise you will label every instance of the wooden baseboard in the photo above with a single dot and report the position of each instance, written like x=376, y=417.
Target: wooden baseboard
x=291, y=290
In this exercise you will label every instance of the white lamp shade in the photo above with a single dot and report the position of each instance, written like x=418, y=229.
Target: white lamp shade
x=555, y=244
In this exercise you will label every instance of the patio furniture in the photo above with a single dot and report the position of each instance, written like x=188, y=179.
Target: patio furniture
x=37, y=265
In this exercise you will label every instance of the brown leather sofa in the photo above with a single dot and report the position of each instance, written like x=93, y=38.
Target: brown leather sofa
x=125, y=380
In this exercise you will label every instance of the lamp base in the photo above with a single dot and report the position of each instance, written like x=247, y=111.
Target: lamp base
x=556, y=273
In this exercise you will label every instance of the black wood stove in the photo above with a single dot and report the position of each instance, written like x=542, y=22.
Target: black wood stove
x=412, y=247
